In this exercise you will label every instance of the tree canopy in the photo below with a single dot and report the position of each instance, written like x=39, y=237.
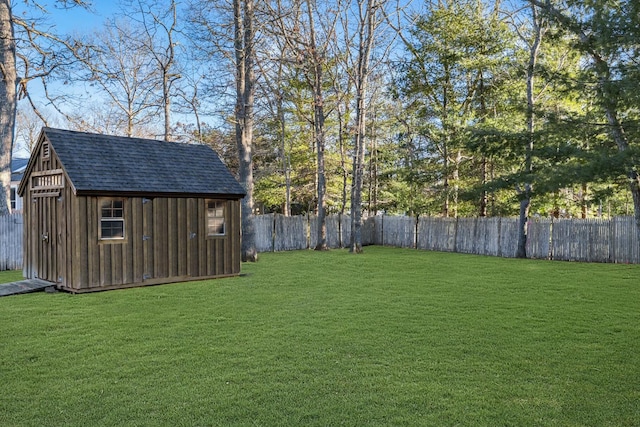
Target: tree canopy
x=434, y=108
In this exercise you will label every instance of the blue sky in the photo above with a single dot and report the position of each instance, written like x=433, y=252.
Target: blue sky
x=75, y=19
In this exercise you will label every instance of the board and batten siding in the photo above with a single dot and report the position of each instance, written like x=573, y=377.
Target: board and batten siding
x=165, y=238
x=165, y=241
x=47, y=193
x=165, y=233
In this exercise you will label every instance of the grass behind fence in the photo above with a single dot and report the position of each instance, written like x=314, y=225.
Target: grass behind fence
x=391, y=337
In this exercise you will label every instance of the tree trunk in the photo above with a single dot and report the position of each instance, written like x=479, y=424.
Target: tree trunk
x=584, y=209
x=243, y=20
x=167, y=107
x=8, y=101
x=167, y=76
x=320, y=142
x=445, y=147
x=525, y=193
x=366, y=36
x=318, y=127
x=620, y=138
x=373, y=172
x=484, y=198
x=445, y=185
x=343, y=159
x=286, y=159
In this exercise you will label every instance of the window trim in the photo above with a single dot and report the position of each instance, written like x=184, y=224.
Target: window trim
x=13, y=199
x=121, y=219
x=219, y=204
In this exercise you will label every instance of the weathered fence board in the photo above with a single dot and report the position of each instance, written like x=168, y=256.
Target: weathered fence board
x=334, y=239
x=538, y=238
x=11, y=227
x=290, y=233
x=595, y=240
x=600, y=241
x=590, y=240
x=465, y=235
x=264, y=232
x=372, y=231
x=627, y=247
x=313, y=231
x=567, y=241
x=399, y=231
x=487, y=236
x=508, y=237
x=437, y=234
x=345, y=230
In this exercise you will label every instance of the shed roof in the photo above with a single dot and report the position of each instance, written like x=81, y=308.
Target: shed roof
x=105, y=164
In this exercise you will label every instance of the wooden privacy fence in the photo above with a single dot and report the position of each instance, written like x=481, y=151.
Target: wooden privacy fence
x=11, y=242
x=591, y=240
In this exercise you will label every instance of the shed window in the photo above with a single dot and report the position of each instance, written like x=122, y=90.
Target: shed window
x=112, y=219
x=215, y=218
x=13, y=199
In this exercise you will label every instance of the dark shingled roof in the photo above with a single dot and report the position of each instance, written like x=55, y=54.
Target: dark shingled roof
x=103, y=164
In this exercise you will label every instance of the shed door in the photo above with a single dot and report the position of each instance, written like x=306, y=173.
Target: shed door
x=50, y=237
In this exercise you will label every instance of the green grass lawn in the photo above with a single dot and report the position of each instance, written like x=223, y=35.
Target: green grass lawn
x=391, y=337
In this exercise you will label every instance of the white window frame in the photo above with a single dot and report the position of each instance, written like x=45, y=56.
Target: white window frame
x=216, y=218
x=109, y=207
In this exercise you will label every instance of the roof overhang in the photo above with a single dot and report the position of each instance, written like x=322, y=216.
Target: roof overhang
x=114, y=193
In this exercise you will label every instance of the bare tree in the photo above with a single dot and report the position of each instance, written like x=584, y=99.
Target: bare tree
x=28, y=125
x=14, y=78
x=224, y=35
x=369, y=19
x=243, y=18
x=8, y=100
x=273, y=68
x=315, y=78
x=123, y=70
x=158, y=36
x=308, y=32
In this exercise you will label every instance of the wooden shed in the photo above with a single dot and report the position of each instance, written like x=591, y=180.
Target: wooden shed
x=106, y=212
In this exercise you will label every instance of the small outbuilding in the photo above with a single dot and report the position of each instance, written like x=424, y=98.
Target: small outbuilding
x=106, y=212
